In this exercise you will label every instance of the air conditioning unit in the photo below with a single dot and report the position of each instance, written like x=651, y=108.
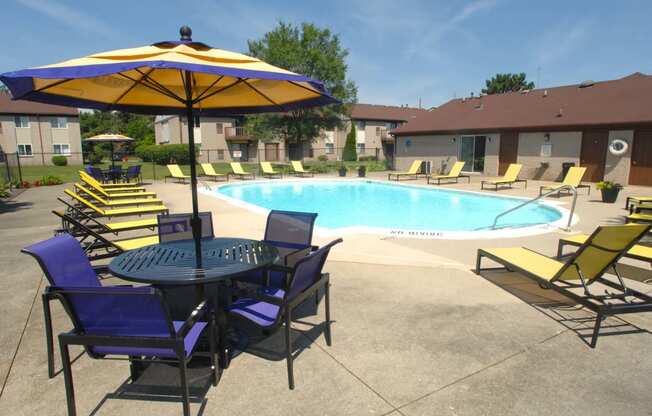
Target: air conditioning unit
x=426, y=167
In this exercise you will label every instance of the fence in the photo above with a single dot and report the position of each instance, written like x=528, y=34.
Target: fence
x=10, y=171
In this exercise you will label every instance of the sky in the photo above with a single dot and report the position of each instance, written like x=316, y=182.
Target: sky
x=400, y=51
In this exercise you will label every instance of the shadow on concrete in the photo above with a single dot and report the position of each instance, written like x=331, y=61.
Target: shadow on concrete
x=12, y=206
x=159, y=382
x=571, y=315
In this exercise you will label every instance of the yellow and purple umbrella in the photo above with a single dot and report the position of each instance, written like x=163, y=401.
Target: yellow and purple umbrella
x=171, y=77
x=109, y=138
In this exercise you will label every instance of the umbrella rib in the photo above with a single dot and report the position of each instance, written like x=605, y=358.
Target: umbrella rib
x=305, y=88
x=220, y=90
x=158, y=84
x=131, y=88
x=264, y=96
x=54, y=84
x=161, y=91
x=199, y=97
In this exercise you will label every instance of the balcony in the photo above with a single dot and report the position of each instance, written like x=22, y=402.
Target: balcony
x=385, y=136
x=236, y=134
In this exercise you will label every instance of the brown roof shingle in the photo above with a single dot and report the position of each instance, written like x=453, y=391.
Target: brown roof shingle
x=384, y=112
x=7, y=106
x=623, y=101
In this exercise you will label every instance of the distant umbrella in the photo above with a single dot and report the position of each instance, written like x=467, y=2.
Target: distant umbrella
x=109, y=138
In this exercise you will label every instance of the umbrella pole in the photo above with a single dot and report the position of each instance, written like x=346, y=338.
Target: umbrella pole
x=195, y=221
x=112, y=173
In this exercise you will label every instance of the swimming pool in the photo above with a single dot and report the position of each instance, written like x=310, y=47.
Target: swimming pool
x=395, y=209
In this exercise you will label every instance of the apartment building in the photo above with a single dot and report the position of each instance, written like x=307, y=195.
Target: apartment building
x=39, y=131
x=604, y=126
x=224, y=139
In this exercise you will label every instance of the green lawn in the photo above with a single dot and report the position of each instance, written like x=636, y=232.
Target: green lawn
x=151, y=171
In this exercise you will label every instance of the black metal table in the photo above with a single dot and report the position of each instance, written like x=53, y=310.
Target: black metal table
x=172, y=265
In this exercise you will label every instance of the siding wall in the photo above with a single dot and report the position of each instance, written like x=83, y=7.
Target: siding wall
x=617, y=167
x=565, y=148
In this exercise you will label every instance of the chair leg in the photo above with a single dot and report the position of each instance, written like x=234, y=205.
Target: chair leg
x=596, y=330
x=327, y=308
x=211, y=343
x=47, y=314
x=288, y=348
x=184, y=382
x=67, y=377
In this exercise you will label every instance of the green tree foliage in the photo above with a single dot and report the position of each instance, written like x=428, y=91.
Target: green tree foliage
x=314, y=52
x=501, y=83
x=349, y=154
x=136, y=126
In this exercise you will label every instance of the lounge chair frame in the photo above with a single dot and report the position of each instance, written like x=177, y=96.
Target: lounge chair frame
x=597, y=303
x=443, y=178
x=636, y=200
x=180, y=179
x=303, y=173
x=415, y=175
x=240, y=175
x=497, y=184
x=86, y=219
x=563, y=243
x=270, y=175
x=217, y=177
x=102, y=211
x=176, y=343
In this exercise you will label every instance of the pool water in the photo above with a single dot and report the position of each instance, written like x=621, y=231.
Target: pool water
x=388, y=206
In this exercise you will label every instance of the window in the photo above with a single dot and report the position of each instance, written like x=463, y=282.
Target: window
x=472, y=152
x=359, y=125
x=165, y=132
x=377, y=130
x=61, y=149
x=360, y=148
x=197, y=121
x=25, y=149
x=22, y=122
x=330, y=148
x=219, y=128
x=391, y=125
x=220, y=154
x=59, y=123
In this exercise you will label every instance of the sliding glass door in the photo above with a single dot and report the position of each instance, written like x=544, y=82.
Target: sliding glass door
x=472, y=151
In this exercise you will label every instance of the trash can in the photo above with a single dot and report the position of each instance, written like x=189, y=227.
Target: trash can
x=362, y=171
x=565, y=167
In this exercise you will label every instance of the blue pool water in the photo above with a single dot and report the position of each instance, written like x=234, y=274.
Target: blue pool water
x=380, y=205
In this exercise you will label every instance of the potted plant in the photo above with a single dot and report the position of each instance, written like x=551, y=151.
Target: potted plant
x=362, y=171
x=342, y=170
x=609, y=190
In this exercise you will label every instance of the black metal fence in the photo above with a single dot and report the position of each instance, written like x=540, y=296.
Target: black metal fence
x=10, y=171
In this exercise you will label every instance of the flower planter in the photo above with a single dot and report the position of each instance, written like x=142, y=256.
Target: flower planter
x=342, y=171
x=362, y=171
x=610, y=195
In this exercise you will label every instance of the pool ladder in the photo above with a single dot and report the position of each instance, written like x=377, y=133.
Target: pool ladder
x=556, y=190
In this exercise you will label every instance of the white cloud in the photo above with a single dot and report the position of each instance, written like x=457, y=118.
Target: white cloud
x=70, y=17
x=562, y=40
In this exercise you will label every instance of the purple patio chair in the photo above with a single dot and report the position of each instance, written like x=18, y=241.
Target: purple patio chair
x=132, y=323
x=291, y=233
x=270, y=308
x=133, y=172
x=64, y=263
x=175, y=227
x=96, y=173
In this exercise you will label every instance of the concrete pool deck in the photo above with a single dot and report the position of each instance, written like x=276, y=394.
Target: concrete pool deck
x=415, y=331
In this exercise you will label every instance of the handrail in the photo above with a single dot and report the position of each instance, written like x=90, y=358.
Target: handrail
x=556, y=190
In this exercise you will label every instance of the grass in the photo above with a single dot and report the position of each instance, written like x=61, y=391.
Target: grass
x=151, y=171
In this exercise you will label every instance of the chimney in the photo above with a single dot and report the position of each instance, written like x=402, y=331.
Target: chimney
x=545, y=93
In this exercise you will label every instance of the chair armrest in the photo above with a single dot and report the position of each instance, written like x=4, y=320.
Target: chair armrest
x=197, y=313
x=293, y=257
x=323, y=281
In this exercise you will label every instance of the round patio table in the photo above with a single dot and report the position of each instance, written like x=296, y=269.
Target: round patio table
x=172, y=264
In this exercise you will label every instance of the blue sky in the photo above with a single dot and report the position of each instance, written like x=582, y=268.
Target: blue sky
x=399, y=50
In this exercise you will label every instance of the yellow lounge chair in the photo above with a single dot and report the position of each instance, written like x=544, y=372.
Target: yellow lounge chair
x=637, y=252
x=413, y=171
x=210, y=172
x=117, y=202
x=115, y=212
x=268, y=171
x=455, y=173
x=510, y=177
x=176, y=173
x=238, y=171
x=110, y=227
x=298, y=170
x=573, y=178
x=637, y=200
x=91, y=181
x=580, y=270
x=93, y=241
x=638, y=217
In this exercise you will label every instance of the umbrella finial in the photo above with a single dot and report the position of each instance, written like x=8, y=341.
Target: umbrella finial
x=186, y=33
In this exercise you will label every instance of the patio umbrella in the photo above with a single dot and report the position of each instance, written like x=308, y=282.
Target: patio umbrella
x=170, y=77
x=109, y=138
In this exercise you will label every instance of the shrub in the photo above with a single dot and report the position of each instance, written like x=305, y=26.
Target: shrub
x=59, y=160
x=349, y=154
x=95, y=157
x=49, y=180
x=321, y=167
x=368, y=159
x=164, y=154
x=322, y=158
x=4, y=189
x=608, y=185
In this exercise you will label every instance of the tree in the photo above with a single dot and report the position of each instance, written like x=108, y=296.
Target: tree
x=139, y=127
x=349, y=154
x=501, y=83
x=316, y=53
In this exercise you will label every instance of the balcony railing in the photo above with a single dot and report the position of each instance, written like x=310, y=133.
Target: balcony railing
x=385, y=136
x=236, y=133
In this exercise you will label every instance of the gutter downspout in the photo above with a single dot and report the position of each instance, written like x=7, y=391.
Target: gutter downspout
x=40, y=138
